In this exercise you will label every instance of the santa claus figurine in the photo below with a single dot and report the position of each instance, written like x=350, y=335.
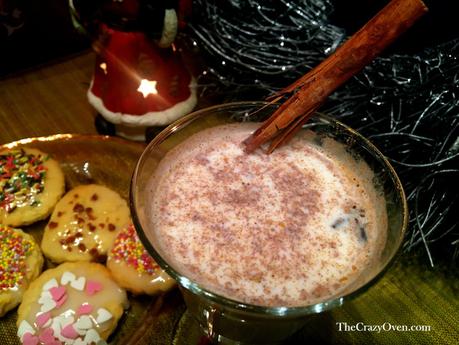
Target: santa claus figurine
x=140, y=79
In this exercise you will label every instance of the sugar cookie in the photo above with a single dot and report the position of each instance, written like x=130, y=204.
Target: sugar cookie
x=30, y=185
x=84, y=224
x=20, y=263
x=133, y=268
x=74, y=303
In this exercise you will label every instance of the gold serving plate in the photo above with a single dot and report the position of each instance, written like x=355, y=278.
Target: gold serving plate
x=108, y=161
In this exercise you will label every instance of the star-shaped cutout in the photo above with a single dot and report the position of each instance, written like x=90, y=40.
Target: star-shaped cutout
x=147, y=87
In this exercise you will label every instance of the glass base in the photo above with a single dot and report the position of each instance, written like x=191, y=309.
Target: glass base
x=189, y=332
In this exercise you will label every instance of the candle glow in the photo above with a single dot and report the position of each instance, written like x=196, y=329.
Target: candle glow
x=147, y=87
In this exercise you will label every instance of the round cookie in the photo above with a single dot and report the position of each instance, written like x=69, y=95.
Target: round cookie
x=20, y=263
x=75, y=303
x=84, y=224
x=30, y=185
x=133, y=268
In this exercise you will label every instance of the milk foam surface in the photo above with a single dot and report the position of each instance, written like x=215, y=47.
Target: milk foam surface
x=288, y=229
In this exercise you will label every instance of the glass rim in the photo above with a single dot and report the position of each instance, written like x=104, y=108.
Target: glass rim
x=231, y=303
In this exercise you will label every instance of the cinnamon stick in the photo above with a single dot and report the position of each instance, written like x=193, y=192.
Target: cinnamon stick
x=310, y=91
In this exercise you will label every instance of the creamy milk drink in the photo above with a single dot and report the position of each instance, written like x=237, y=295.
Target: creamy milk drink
x=292, y=228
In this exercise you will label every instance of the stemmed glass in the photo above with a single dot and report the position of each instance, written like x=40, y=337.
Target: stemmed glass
x=224, y=320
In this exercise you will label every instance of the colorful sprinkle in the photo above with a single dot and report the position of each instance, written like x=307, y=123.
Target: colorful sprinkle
x=25, y=327
x=47, y=305
x=45, y=297
x=67, y=277
x=57, y=293
x=30, y=339
x=61, y=301
x=22, y=179
x=14, y=250
x=84, y=322
x=93, y=287
x=42, y=319
x=50, y=284
x=83, y=309
x=129, y=249
x=91, y=336
x=103, y=315
x=55, y=342
x=69, y=332
x=47, y=335
x=78, y=284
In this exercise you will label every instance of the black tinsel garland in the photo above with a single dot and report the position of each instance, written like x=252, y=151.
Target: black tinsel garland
x=407, y=104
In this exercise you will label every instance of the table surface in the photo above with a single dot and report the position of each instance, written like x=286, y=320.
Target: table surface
x=48, y=100
x=52, y=99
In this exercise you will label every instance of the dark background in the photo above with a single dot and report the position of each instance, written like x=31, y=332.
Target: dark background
x=33, y=32
x=439, y=25
x=43, y=33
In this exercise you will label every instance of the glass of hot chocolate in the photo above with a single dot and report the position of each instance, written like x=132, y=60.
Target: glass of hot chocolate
x=257, y=242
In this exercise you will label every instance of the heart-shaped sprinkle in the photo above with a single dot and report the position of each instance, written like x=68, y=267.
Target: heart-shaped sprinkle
x=61, y=301
x=78, y=284
x=42, y=319
x=65, y=320
x=67, y=277
x=48, y=305
x=91, y=336
x=85, y=308
x=103, y=315
x=79, y=342
x=29, y=339
x=53, y=342
x=57, y=292
x=48, y=323
x=69, y=332
x=25, y=327
x=62, y=321
x=56, y=325
x=93, y=287
x=47, y=335
x=81, y=332
x=45, y=295
x=84, y=322
x=50, y=284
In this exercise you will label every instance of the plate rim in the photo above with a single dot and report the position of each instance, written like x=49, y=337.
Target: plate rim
x=72, y=136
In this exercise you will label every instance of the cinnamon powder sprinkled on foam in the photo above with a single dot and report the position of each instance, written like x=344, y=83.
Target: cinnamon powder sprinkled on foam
x=264, y=229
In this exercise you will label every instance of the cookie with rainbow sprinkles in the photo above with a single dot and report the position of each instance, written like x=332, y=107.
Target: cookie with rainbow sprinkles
x=31, y=183
x=75, y=303
x=20, y=263
x=133, y=268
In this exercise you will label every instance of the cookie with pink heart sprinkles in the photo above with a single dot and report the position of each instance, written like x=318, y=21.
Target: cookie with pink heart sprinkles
x=74, y=303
